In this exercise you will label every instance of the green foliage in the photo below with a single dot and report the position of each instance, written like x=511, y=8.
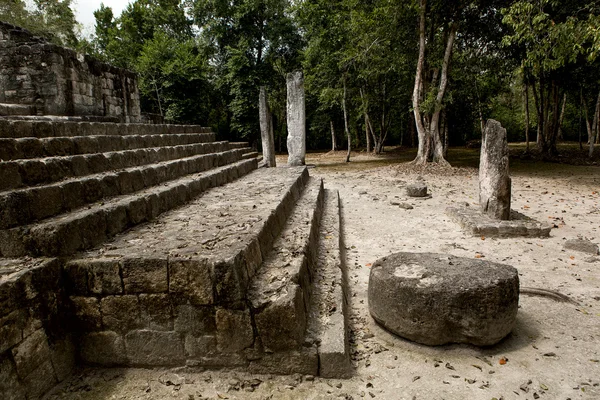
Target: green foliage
x=53, y=19
x=253, y=43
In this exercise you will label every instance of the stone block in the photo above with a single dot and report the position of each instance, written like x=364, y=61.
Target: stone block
x=194, y=320
x=116, y=219
x=145, y=275
x=63, y=358
x=121, y=313
x=104, y=277
x=157, y=312
x=31, y=323
x=14, y=209
x=31, y=353
x=191, y=279
x=137, y=211
x=234, y=330
x=436, y=299
x=417, y=189
x=45, y=202
x=200, y=346
x=10, y=387
x=228, y=360
x=11, y=329
x=103, y=348
x=10, y=176
x=86, y=311
x=582, y=245
x=76, y=277
x=31, y=147
x=303, y=361
x=40, y=381
x=153, y=348
x=281, y=325
x=230, y=277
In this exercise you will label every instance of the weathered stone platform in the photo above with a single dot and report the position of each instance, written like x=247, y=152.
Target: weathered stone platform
x=477, y=223
x=172, y=252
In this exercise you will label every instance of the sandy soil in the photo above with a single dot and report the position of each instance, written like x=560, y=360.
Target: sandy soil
x=553, y=353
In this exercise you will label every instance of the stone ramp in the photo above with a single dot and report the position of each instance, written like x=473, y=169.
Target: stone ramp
x=280, y=293
x=328, y=316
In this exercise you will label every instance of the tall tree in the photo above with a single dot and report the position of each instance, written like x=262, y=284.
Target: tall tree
x=555, y=36
x=254, y=43
x=53, y=19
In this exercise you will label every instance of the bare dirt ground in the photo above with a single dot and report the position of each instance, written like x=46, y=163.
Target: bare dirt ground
x=553, y=353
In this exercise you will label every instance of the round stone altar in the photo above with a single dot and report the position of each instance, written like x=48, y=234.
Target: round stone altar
x=436, y=299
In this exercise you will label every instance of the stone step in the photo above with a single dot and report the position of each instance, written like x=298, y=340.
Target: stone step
x=16, y=109
x=22, y=128
x=15, y=149
x=280, y=292
x=30, y=172
x=92, y=225
x=25, y=206
x=328, y=315
x=250, y=154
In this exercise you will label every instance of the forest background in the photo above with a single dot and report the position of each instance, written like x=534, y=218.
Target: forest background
x=425, y=73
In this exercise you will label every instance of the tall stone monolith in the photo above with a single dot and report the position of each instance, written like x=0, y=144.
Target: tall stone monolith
x=296, y=119
x=494, y=179
x=266, y=129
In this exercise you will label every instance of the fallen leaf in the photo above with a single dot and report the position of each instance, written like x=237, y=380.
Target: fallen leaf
x=543, y=387
x=572, y=257
x=368, y=264
x=525, y=207
x=479, y=255
x=503, y=360
x=483, y=238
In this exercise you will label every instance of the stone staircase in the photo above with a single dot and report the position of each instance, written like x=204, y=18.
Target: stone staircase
x=155, y=245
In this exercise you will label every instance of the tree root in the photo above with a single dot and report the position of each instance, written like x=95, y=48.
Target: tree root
x=551, y=294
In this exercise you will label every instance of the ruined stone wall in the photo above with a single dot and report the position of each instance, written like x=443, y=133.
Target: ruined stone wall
x=54, y=80
x=36, y=351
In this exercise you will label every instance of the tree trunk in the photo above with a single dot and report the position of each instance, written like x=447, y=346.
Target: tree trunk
x=430, y=144
x=422, y=134
x=333, y=142
x=346, y=130
x=562, y=117
x=438, y=149
x=413, y=132
x=367, y=135
x=446, y=138
x=526, y=93
x=579, y=126
x=594, y=126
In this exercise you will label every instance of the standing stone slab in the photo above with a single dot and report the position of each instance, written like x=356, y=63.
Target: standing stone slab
x=296, y=119
x=266, y=129
x=494, y=180
x=436, y=299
